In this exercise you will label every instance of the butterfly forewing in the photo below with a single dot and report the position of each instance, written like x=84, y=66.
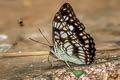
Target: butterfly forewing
x=69, y=36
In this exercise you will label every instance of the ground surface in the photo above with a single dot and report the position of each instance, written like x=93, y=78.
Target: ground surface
x=101, y=19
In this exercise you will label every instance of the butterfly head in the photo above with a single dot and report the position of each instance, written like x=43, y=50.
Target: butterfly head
x=51, y=49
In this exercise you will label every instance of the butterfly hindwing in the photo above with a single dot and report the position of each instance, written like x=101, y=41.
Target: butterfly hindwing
x=69, y=36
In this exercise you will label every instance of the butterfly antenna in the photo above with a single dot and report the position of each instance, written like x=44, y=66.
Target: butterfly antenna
x=38, y=42
x=44, y=36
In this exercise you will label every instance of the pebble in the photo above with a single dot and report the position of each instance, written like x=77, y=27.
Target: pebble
x=3, y=37
x=5, y=47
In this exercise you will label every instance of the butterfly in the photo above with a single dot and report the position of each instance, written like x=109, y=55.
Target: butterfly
x=70, y=41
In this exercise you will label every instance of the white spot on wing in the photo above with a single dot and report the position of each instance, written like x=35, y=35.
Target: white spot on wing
x=68, y=11
x=61, y=32
x=61, y=20
x=84, y=37
x=64, y=9
x=56, y=37
x=77, y=44
x=71, y=20
x=58, y=17
x=86, y=41
x=56, y=33
x=64, y=28
x=58, y=25
x=87, y=46
x=73, y=42
x=81, y=51
x=70, y=47
x=70, y=15
x=81, y=57
x=71, y=27
x=66, y=18
x=64, y=35
x=81, y=34
x=55, y=23
x=64, y=23
x=67, y=44
x=91, y=41
x=76, y=24
x=80, y=48
x=61, y=26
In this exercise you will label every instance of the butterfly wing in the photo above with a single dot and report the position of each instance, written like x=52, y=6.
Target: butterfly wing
x=70, y=37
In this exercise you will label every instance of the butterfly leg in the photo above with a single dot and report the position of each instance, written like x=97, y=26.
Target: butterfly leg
x=67, y=64
x=50, y=62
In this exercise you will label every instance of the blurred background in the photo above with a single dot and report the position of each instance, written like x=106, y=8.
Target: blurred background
x=100, y=17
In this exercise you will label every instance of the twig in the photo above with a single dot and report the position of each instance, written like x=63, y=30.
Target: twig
x=15, y=54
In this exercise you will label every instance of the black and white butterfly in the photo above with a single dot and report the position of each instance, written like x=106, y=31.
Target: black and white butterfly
x=70, y=41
